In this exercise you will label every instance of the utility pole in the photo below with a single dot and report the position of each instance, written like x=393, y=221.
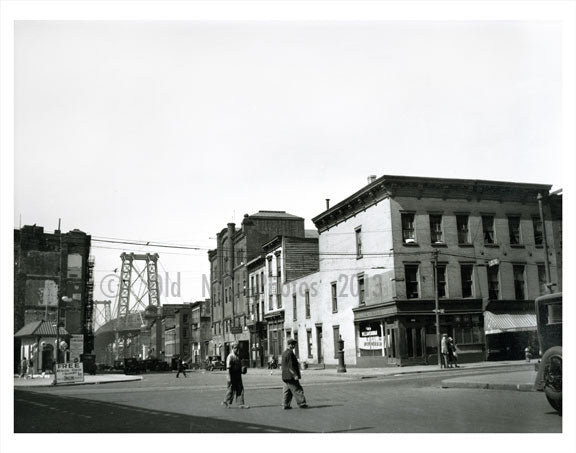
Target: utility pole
x=545, y=242
x=436, y=308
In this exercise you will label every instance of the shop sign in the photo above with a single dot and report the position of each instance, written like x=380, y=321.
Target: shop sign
x=370, y=343
x=67, y=373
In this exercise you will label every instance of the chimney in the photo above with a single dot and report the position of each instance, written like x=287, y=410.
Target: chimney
x=371, y=179
x=327, y=203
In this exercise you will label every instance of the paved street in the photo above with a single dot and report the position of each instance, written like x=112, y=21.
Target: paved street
x=412, y=403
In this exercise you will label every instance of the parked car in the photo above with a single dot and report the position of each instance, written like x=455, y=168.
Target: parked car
x=549, y=326
x=213, y=362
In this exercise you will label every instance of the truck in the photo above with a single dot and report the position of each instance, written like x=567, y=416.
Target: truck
x=549, y=331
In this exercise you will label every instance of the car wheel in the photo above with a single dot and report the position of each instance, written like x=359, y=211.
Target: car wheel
x=552, y=362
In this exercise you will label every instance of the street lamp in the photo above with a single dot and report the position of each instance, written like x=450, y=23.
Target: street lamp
x=66, y=300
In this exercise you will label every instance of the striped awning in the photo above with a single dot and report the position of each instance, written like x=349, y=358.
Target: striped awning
x=508, y=322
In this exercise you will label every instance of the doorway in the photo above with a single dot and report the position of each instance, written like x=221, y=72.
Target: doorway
x=319, y=344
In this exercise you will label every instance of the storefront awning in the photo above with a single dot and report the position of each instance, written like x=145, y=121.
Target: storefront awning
x=508, y=322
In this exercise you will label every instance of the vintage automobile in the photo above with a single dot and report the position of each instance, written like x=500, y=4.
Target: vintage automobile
x=549, y=327
x=213, y=362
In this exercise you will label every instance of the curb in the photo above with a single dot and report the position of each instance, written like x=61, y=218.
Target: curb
x=485, y=386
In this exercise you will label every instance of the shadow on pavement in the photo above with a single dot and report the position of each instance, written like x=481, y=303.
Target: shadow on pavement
x=45, y=413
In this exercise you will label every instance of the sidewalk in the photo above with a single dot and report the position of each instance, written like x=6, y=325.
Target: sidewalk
x=42, y=381
x=522, y=379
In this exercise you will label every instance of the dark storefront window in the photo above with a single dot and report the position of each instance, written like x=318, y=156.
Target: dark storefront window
x=467, y=329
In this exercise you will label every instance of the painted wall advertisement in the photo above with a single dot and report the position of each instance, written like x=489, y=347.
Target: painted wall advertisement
x=67, y=373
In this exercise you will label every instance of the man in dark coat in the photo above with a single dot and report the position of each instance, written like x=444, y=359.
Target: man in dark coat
x=291, y=377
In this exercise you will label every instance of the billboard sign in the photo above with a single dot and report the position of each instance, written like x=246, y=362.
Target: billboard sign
x=76, y=346
x=68, y=373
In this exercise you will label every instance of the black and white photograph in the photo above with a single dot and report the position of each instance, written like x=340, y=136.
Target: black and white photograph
x=341, y=221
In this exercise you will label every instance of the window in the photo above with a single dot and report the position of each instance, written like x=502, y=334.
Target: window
x=493, y=282
x=269, y=266
x=279, y=267
x=185, y=333
x=336, y=333
x=294, y=309
x=261, y=282
x=226, y=295
x=358, y=232
x=488, y=229
x=270, y=303
x=463, y=231
x=518, y=270
x=514, y=229
x=334, y=297
x=441, y=280
x=538, y=236
x=307, y=302
x=466, y=279
x=361, y=300
x=184, y=319
x=411, y=275
x=279, y=300
x=408, y=234
x=542, y=280
x=253, y=289
x=309, y=342
x=436, y=228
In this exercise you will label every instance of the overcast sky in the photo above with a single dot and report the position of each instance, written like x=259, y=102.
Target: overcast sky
x=166, y=131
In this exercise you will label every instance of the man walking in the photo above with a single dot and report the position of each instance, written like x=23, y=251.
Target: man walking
x=181, y=367
x=291, y=377
x=234, y=382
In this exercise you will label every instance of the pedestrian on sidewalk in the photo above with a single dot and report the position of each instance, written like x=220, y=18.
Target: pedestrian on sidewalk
x=23, y=367
x=181, y=367
x=291, y=377
x=30, y=368
x=234, y=380
x=452, y=354
x=444, y=350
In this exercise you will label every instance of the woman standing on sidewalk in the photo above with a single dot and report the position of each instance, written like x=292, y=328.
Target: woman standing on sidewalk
x=452, y=354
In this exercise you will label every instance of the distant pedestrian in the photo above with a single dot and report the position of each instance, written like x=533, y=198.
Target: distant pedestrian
x=234, y=379
x=528, y=353
x=23, y=367
x=181, y=367
x=291, y=377
x=444, y=350
x=452, y=354
x=30, y=368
